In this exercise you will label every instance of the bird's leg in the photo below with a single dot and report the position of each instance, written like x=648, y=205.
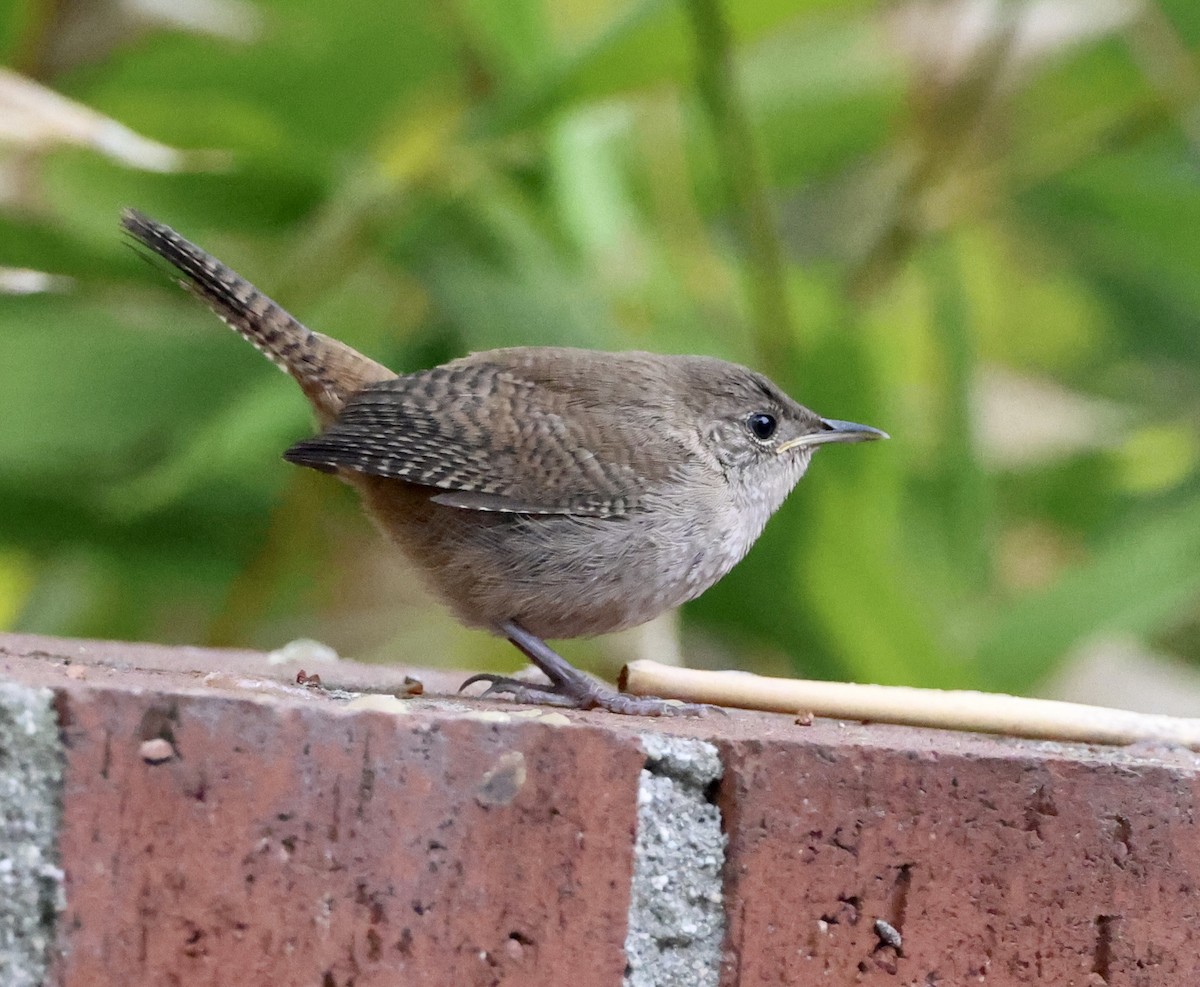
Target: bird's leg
x=571, y=687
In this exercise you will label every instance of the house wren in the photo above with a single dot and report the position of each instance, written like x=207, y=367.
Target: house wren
x=546, y=492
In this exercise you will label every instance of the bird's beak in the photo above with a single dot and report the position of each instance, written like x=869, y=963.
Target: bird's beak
x=832, y=431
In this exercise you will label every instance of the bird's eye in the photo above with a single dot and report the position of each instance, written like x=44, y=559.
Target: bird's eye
x=762, y=425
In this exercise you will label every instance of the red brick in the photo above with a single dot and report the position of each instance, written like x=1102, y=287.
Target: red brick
x=289, y=841
x=999, y=862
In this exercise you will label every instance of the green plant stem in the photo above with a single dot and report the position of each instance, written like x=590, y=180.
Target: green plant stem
x=745, y=184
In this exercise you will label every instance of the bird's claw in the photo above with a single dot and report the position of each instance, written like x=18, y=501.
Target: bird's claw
x=585, y=694
x=521, y=692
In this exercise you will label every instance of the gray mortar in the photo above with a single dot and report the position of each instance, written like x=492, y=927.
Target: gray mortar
x=676, y=911
x=31, y=774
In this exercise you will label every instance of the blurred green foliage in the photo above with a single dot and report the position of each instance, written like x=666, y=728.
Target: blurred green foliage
x=974, y=224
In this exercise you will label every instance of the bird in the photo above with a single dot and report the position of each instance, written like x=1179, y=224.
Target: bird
x=545, y=492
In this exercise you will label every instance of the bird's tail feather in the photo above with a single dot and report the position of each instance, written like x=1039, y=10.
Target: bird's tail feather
x=328, y=371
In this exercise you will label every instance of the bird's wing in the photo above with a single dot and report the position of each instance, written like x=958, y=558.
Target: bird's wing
x=491, y=434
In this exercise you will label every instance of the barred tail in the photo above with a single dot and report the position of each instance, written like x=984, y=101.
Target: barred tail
x=327, y=370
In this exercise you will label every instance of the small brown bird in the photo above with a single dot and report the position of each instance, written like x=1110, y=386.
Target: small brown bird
x=546, y=492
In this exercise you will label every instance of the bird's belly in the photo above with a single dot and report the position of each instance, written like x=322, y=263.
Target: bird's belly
x=559, y=576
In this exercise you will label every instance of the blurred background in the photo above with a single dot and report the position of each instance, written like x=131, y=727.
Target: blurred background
x=975, y=224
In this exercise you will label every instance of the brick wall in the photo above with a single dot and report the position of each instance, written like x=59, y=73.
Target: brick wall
x=188, y=816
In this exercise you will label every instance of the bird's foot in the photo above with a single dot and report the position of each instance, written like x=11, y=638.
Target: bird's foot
x=571, y=688
x=519, y=689
x=584, y=693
